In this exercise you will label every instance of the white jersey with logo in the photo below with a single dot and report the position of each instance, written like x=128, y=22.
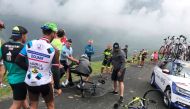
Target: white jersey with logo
x=40, y=54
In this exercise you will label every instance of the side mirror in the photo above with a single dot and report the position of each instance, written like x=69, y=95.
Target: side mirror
x=166, y=71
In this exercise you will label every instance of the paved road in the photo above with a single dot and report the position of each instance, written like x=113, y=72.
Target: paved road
x=136, y=83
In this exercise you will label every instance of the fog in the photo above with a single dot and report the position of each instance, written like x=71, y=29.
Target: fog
x=138, y=23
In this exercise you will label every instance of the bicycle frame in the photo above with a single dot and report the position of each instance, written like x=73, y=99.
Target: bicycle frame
x=140, y=101
x=134, y=101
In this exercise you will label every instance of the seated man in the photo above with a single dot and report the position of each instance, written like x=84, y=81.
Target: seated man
x=83, y=69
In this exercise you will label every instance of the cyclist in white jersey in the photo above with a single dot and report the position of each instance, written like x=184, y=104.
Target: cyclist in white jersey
x=43, y=61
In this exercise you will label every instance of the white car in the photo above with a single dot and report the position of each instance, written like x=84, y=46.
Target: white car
x=173, y=79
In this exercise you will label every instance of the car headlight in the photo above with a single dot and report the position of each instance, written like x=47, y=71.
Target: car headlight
x=180, y=90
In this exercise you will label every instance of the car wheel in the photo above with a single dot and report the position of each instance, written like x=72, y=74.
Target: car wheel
x=167, y=97
x=152, y=80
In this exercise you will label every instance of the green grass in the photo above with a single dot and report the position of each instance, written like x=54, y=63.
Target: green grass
x=6, y=91
x=96, y=66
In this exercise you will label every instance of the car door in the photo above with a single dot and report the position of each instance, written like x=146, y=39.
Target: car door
x=164, y=77
x=158, y=72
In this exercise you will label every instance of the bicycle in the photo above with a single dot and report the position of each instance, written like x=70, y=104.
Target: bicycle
x=175, y=48
x=180, y=49
x=145, y=102
x=164, y=49
x=91, y=88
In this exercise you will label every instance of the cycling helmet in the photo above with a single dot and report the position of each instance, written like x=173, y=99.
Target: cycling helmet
x=49, y=26
x=2, y=25
x=17, y=31
x=84, y=56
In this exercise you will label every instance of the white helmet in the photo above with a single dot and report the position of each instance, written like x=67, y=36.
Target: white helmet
x=84, y=56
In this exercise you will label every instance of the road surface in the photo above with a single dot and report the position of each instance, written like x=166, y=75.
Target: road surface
x=136, y=83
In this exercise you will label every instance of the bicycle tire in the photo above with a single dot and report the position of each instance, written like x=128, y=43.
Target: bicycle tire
x=91, y=91
x=153, y=99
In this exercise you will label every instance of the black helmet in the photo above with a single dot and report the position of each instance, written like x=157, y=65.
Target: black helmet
x=115, y=45
x=61, y=33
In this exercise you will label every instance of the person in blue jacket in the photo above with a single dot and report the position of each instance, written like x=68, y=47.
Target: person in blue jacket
x=89, y=50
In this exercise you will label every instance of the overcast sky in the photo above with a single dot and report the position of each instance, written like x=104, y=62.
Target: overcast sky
x=139, y=23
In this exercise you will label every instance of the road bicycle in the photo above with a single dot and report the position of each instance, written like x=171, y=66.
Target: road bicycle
x=180, y=50
x=150, y=100
x=175, y=48
x=93, y=88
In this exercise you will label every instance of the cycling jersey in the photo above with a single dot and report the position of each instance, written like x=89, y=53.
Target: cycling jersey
x=57, y=44
x=40, y=54
x=8, y=53
x=107, y=54
x=65, y=53
x=63, y=40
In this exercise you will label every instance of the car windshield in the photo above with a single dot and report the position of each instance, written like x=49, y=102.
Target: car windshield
x=182, y=70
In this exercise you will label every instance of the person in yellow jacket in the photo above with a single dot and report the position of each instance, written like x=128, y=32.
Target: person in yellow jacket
x=107, y=60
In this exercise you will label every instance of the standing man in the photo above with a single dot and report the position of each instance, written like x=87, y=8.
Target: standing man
x=89, y=49
x=125, y=50
x=2, y=68
x=118, y=62
x=66, y=56
x=57, y=41
x=64, y=38
x=43, y=61
x=16, y=75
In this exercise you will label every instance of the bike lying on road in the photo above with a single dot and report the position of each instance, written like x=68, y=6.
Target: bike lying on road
x=150, y=100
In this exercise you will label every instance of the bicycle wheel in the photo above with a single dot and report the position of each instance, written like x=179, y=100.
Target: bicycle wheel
x=153, y=99
x=93, y=90
x=161, y=52
x=167, y=52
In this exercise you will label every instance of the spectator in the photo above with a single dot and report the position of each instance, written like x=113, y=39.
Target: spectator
x=118, y=62
x=134, y=56
x=66, y=55
x=64, y=38
x=107, y=59
x=16, y=75
x=89, y=49
x=155, y=56
x=57, y=41
x=144, y=55
x=125, y=50
x=139, y=58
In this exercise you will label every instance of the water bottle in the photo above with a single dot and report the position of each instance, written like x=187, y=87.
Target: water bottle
x=8, y=56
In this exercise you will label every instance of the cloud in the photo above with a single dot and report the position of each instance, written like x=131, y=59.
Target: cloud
x=130, y=20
